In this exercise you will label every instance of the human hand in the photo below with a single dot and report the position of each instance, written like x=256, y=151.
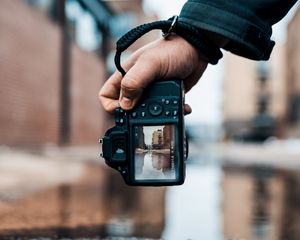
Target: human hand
x=161, y=59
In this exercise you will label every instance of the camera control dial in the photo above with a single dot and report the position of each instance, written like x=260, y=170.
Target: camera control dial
x=155, y=109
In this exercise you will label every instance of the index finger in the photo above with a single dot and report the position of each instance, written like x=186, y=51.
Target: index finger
x=110, y=91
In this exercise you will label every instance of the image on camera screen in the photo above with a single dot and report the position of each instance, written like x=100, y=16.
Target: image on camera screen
x=154, y=152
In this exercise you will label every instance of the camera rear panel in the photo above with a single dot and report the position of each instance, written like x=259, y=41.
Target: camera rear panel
x=158, y=133
x=147, y=145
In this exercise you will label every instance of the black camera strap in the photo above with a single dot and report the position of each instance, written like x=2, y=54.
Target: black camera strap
x=190, y=33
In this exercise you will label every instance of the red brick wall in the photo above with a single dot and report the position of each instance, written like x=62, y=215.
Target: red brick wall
x=87, y=118
x=29, y=81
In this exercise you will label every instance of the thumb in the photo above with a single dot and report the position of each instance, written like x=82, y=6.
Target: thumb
x=138, y=77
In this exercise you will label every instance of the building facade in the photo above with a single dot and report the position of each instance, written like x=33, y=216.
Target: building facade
x=273, y=85
x=293, y=75
x=49, y=78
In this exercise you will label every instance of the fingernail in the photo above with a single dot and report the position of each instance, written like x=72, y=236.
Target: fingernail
x=126, y=102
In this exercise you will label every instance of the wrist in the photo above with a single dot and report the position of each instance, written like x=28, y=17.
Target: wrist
x=186, y=46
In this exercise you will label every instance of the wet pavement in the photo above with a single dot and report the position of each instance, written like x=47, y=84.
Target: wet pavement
x=231, y=191
x=58, y=197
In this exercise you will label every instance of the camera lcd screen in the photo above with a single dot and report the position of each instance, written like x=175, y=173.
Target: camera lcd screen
x=155, y=156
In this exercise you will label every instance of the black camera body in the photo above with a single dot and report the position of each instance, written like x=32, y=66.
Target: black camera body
x=148, y=145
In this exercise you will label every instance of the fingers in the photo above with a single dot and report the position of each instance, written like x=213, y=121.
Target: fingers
x=110, y=91
x=158, y=60
x=187, y=109
x=139, y=76
x=126, y=91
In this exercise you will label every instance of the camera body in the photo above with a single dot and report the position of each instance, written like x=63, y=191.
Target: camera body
x=148, y=145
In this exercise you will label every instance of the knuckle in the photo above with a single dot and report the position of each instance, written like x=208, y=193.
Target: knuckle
x=130, y=83
x=109, y=107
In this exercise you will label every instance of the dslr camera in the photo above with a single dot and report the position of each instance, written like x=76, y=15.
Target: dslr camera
x=147, y=145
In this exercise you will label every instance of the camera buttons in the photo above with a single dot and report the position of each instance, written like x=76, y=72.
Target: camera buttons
x=175, y=102
x=134, y=115
x=175, y=113
x=143, y=105
x=143, y=114
x=167, y=113
x=119, y=116
x=167, y=102
x=155, y=109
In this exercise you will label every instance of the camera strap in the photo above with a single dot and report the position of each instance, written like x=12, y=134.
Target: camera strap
x=190, y=33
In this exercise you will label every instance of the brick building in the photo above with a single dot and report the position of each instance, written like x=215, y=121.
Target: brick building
x=49, y=84
x=247, y=83
x=30, y=75
x=274, y=86
x=293, y=74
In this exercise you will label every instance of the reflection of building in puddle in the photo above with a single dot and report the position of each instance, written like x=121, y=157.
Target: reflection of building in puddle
x=157, y=139
x=154, y=165
x=162, y=161
x=261, y=203
x=139, y=162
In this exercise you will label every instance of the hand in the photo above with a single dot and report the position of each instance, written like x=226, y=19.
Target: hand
x=161, y=59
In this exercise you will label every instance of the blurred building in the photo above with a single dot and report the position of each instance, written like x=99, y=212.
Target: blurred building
x=128, y=15
x=264, y=97
x=140, y=138
x=168, y=136
x=54, y=57
x=157, y=139
x=254, y=90
x=293, y=74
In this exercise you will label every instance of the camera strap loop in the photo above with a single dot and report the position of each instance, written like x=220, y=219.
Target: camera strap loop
x=166, y=34
x=190, y=33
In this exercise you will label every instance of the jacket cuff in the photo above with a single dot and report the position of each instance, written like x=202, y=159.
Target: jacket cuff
x=247, y=39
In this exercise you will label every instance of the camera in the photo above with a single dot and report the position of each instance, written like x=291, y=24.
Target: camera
x=147, y=145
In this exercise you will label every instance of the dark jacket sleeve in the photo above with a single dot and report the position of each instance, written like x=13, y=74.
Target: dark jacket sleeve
x=246, y=23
